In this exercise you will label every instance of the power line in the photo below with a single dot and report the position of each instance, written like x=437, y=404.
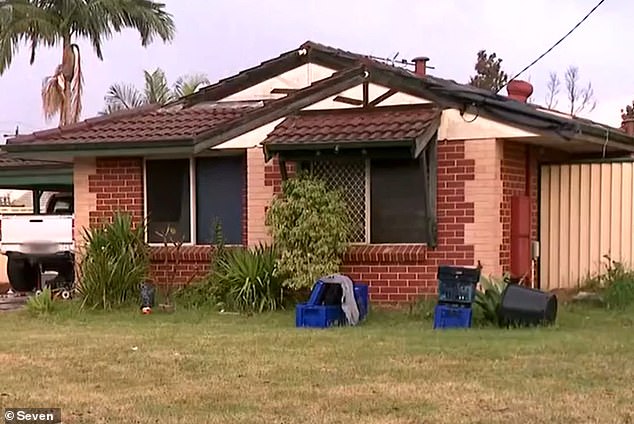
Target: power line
x=554, y=45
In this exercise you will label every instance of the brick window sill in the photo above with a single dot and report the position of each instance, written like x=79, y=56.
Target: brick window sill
x=188, y=253
x=386, y=253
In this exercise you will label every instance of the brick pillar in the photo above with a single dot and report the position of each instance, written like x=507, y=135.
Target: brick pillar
x=85, y=199
x=259, y=195
x=485, y=191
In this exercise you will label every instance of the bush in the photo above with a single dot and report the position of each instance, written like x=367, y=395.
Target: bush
x=115, y=262
x=489, y=298
x=310, y=229
x=41, y=304
x=620, y=293
x=248, y=280
x=616, y=285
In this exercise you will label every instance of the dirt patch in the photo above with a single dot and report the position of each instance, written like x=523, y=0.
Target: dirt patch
x=564, y=295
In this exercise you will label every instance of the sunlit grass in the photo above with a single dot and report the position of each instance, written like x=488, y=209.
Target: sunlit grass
x=202, y=367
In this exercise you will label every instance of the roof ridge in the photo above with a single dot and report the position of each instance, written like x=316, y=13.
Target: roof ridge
x=374, y=109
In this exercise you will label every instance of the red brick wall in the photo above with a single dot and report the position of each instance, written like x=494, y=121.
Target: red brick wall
x=194, y=263
x=118, y=186
x=403, y=273
x=272, y=175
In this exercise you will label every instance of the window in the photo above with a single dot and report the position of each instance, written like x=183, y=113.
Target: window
x=211, y=187
x=398, y=205
x=168, y=199
x=220, y=184
x=390, y=200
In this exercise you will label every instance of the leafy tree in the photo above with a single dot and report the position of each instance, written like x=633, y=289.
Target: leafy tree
x=579, y=97
x=156, y=90
x=310, y=228
x=50, y=23
x=489, y=74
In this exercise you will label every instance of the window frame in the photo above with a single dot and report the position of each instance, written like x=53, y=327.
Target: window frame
x=431, y=192
x=192, y=195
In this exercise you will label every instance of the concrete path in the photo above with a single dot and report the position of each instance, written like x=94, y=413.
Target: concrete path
x=12, y=302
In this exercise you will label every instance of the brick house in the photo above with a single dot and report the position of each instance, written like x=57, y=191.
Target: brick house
x=435, y=172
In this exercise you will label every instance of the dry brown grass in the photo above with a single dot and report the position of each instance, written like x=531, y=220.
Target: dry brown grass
x=193, y=367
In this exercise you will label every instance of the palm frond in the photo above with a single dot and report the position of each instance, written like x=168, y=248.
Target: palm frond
x=156, y=88
x=189, y=84
x=25, y=21
x=121, y=97
x=53, y=95
x=148, y=17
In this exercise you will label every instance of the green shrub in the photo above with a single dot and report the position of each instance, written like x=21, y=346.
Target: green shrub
x=616, y=284
x=488, y=299
x=310, y=228
x=115, y=261
x=42, y=303
x=619, y=293
x=248, y=280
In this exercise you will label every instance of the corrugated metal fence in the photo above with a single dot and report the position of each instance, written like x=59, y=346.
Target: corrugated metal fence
x=585, y=213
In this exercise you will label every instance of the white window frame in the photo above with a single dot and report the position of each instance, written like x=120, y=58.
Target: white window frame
x=192, y=199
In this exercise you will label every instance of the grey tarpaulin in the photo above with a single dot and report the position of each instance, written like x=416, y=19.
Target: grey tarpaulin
x=348, y=302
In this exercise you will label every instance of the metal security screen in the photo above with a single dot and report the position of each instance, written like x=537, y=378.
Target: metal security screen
x=349, y=176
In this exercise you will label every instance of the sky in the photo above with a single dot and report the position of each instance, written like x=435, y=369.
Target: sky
x=219, y=38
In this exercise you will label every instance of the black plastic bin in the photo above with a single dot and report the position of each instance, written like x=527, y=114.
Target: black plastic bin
x=457, y=285
x=523, y=306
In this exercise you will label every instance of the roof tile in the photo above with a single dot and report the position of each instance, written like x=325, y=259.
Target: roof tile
x=390, y=123
x=144, y=124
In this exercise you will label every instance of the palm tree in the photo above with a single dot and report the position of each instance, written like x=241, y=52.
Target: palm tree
x=156, y=90
x=51, y=23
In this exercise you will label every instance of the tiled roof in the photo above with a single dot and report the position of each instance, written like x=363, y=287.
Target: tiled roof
x=391, y=123
x=146, y=124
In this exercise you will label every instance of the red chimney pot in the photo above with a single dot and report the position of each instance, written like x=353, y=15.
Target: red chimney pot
x=519, y=90
x=628, y=126
x=420, y=65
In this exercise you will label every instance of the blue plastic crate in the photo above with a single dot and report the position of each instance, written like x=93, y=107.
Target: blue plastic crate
x=457, y=285
x=448, y=316
x=362, y=297
x=318, y=316
x=316, y=293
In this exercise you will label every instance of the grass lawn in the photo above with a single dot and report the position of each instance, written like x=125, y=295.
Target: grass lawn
x=194, y=367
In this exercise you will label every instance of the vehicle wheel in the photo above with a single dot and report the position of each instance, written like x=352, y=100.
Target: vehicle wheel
x=22, y=275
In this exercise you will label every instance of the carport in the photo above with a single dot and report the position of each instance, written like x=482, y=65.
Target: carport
x=36, y=176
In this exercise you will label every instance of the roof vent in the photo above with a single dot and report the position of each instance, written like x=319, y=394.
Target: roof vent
x=420, y=65
x=519, y=90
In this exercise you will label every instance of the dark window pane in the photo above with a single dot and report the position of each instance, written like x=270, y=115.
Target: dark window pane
x=168, y=199
x=220, y=187
x=397, y=210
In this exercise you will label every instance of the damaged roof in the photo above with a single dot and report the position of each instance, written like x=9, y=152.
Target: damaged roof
x=191, y=122
x=351, y=126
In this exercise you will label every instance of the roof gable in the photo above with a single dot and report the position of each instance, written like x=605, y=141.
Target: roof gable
x=199, y=131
